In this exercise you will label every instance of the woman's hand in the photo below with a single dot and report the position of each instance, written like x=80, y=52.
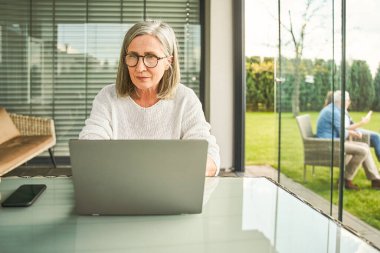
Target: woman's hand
x=367, y=118
x=355, y=134
x=210, y=167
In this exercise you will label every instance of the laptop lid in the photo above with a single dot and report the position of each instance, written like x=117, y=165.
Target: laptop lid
x=138, y=177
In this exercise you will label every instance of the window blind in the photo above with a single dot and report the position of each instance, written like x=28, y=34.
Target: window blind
x=55, y=55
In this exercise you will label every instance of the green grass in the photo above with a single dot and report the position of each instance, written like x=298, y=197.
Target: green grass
x=262, y=145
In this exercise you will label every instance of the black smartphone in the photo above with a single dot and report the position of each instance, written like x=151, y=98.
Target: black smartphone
x=25, y=195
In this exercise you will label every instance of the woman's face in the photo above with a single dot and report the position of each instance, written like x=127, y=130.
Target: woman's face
x=142, y=77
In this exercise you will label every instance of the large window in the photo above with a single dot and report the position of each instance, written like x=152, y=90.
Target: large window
x=297, y=52
x=55, y=55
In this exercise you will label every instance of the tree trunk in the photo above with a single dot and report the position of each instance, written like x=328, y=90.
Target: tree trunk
x=296, y=87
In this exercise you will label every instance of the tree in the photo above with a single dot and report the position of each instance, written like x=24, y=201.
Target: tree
x=260, y=84
x=376, y=84
x=298, y=41
x=314, y=90
x=251, y=89
x=360, y=86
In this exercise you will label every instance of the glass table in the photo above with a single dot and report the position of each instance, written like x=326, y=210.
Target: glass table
x=239, y=215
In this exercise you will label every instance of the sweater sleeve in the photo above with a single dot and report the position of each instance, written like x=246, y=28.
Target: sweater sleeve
x=98, y=125
x=195, y=126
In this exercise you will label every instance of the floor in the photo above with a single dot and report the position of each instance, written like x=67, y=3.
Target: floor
x=358, y=226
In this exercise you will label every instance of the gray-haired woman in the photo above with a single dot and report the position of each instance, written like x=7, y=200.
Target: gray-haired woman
x=148, y=101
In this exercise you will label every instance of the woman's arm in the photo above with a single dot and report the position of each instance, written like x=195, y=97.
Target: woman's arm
x=361, y=123
x=98, y=125
x=195, y=126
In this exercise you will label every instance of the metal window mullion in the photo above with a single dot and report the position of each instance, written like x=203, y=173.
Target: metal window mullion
x=342, y=111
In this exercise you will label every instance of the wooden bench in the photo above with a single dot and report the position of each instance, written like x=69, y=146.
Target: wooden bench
x=22, y=138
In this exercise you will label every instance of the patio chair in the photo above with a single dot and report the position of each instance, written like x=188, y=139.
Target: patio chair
x=23, y=138
x=318, y=151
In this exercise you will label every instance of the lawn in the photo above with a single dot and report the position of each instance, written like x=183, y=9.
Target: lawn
x=261, y=148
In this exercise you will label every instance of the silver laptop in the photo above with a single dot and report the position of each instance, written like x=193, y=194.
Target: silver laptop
x=138, y=177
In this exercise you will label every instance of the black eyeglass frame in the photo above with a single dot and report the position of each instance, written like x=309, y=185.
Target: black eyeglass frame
x=143, y=57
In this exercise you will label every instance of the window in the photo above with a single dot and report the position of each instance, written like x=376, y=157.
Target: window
x=55, y=55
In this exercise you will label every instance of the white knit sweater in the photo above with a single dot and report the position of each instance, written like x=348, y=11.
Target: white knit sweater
x=121, y=118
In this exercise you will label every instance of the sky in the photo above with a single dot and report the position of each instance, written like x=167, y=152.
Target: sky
x=363, y=29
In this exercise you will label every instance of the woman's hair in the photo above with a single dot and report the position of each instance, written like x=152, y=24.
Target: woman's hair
x=329, y=98
x=166, y=36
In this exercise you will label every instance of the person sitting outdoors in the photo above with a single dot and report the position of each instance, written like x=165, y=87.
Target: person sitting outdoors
x=148, y=101
x=373, y=136
x=360, y=152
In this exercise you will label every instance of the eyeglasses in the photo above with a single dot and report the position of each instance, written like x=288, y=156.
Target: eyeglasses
x=149, y=60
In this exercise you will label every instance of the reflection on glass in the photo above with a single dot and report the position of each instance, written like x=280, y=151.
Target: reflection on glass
x=210, y=185
x=260, y=119
x=363, y=84
x=292, y=225
x=259, y=209
x=308, y=65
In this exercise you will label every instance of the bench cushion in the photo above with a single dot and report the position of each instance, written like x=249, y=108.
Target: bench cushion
x=17, y=150
x=8, y=129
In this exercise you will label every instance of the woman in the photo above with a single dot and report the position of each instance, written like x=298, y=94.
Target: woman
x=147, y=101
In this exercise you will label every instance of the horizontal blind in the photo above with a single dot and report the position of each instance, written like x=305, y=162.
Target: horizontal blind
x=183, y=16
x=55, y=55
x=14, y=55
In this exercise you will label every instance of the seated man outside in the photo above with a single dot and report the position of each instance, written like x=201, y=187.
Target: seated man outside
x=360, y=152
x=373, y=136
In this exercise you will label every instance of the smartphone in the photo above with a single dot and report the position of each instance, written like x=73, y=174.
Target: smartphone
x=25, y=195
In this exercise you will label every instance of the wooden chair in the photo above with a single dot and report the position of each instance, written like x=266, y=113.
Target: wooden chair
x=22, y=138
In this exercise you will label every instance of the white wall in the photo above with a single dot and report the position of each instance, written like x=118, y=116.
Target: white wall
x=219, y=75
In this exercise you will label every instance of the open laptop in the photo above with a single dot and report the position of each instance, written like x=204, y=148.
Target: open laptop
x=138, y=177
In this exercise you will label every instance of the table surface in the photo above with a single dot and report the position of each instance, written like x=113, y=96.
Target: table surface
x=239, y=215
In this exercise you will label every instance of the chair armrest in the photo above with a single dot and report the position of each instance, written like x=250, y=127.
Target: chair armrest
x=319, y=147
x=321, y=143
x=29, y=125
x=365, y=139
x=319, y=151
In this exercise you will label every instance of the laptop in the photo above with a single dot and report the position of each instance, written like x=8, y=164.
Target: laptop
x=138, y=177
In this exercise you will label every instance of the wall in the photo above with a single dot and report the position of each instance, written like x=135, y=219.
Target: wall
x=219, y=75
